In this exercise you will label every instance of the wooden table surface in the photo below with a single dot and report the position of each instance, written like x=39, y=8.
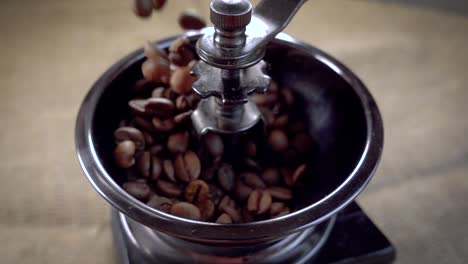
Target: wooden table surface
x=413, y=60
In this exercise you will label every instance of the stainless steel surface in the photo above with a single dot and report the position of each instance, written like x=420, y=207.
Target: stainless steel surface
x=144, y=245
x=230, y=56
x=341, y=115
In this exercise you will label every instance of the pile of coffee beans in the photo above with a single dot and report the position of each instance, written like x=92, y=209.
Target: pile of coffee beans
x=189, y=19
x=218, y=178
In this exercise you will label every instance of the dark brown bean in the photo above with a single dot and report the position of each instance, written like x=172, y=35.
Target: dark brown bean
x=168, y=168
x=168, y=189
x=215, y=194
x=197, y=191
x=137, y=106
x=180, y=53
x=160, y=107
x=252, y=180
x=228, y=206
x=224, y=219
x=158, y=92
x=278, y=209
x=144, y=124
x=160, y=203
x=191, y=20
x=187, y=166
x=152, y=51
x=156, y=70
x=271, y=176
x=143, y=164
x=186, y=210
x=158, y=4
x=125, y=154
x=142, y=8
x=207, y=209
x=178, y=142
x=156, y=168
x=130, y=133
x=181, y=103
x=278, y=140
x=149, y=140
x=181, y=81
x=259, y=201
x=162, y=125
x=138, y=190
x=242, y=191
x=156, y=149
x=298, y=173
x=280, y=193
x=226, y=177
x=183, y=117
x=214, y=144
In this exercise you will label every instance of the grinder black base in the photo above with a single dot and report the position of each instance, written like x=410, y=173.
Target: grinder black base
x=354, y=238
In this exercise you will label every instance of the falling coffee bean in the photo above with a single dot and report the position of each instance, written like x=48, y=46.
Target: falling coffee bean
x=142, y=8
x=156, y=70
x=158, y=4
x=191, y=20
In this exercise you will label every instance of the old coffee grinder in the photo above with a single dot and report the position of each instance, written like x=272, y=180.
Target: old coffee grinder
x=237, y=57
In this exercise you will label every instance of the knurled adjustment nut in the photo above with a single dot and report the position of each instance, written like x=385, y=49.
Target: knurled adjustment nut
x=230, y=15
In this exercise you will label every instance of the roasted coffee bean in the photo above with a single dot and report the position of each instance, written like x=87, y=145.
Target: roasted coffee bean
x=158, y=4
x=224, y=219
x=286, y=174
x=226, y=177
x=186, y=210
x=130, y=133
x=178, y=142
x=191, y=20
x=168, y=189
x=228, y=206
x=298, y=173
x=209, y=173
x=182, y=103
x=251, y=164
x=197, y=191
x=168, y=168
x=160, y=203
x=162, y=125
x=280, y=193
x=252, y=180
x=302, y=143
x=125, y=154
x=138, y=190
x=278, y=209
x=215, y=194
x=153, y=52
x=242, y=190
x=267, y=116
x=183, y=117
x=143, y=163
x=181, y=81
x=156, y=70
x=259, y=201
x=142, y=8
x=180, y=53
x=156, y=149
x=144, y=124
x=214, y=144
x=158, y=92
x=156, y=168
x=281, y=121
x=160, y=107
x=207, y=209
x=278, y=140
x=271, y=176
x=187, y=166
x=251, y=149
x=138, y=106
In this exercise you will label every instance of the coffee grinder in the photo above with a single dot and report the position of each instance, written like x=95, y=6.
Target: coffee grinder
x=238, y=56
